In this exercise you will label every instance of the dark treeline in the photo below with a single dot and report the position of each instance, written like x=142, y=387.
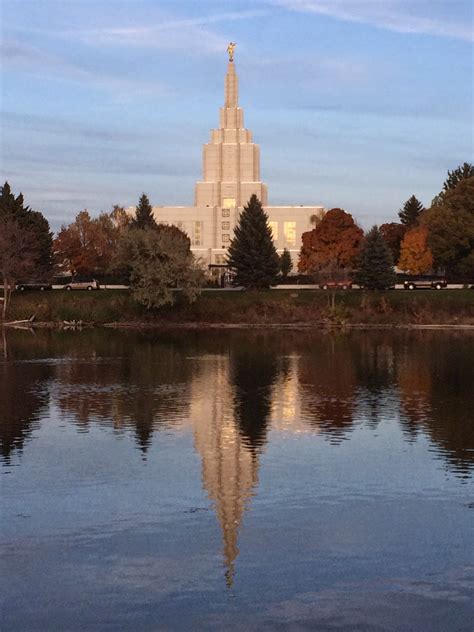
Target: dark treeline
x=153, y=258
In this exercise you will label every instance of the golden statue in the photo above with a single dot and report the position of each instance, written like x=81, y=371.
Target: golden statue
x=230, y=50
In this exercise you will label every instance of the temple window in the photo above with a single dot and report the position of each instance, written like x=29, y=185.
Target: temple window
x=274, y=229
x=196, y=239
x=289, y=229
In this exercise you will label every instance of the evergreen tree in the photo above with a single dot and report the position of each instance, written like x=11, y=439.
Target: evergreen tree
x=251, y=252
x=144, y=215
x=410, y=213
x=464, y=171
x=375, y=270
x=286, y=264
x=451, y=230
x=13, y=209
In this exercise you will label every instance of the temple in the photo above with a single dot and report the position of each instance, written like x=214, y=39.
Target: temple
x=230, y=175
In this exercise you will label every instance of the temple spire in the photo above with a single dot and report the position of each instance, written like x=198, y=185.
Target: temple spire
x=231, y=87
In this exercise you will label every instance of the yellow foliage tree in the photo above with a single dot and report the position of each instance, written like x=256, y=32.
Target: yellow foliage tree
x=415, y=255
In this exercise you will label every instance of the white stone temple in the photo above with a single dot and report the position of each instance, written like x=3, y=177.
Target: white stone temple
x=231, y=174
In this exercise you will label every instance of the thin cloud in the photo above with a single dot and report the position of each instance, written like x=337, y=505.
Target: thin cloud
x=57, y=126
x=38, y=62
x=168, y=34
x=392, y=15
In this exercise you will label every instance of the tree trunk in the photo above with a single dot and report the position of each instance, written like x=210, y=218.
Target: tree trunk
x=5, y=299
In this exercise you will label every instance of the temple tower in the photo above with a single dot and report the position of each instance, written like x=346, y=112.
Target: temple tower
x=231, y=161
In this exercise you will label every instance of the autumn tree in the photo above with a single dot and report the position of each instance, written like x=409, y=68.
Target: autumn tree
x=410, y=213
x=87, y=245
x=317, y=217
x=375, y=266
x=392, y=234
x=415, y=255
x=451, y=230
x=159, y=261
x=120, y=218
x=19, y=256
x=334, y=242
x=286, y=264
x=251, y=253
x=144, y=214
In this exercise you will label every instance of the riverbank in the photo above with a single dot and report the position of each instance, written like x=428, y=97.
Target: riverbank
x=284, y=308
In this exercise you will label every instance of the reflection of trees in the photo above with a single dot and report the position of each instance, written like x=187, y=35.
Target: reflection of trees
x=142, y=386
x=24, y=394
x=374, y=368
x=328, y=385
x=415, y=387
x=436, y=393
x=254, y=370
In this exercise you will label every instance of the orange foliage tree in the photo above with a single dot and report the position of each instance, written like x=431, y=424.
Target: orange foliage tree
x=415, y=255
x=87, y=245
x=334, y=242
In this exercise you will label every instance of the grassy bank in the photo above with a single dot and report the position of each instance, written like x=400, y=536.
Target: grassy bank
x=267, y=307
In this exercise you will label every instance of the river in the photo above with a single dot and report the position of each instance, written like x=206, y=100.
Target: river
x=237, y=480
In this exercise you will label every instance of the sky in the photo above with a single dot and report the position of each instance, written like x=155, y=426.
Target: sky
x=355, y=104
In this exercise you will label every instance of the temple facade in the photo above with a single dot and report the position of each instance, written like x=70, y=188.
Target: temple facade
x=231, y=174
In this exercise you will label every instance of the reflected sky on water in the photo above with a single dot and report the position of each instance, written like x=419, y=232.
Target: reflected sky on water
x=235, y=478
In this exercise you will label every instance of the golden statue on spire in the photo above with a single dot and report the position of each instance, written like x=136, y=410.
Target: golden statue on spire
x=230, y=50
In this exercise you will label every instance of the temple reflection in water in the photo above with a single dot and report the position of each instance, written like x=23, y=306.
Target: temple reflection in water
x=232, y=391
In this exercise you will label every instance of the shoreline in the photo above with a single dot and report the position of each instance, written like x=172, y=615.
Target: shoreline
x=320, y=326
x=285, y=310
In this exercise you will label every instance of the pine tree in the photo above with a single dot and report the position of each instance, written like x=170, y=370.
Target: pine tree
x=451, y=231
x=11, y=207
x=410, y=213
x=251, y=252
x=14, y=209
x=375, y=270
x=286, y=264
x=464, y=171
x=144, y=215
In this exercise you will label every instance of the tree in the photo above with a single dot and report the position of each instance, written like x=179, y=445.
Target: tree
x=120, y=218
x=158, y=261
x=19, y=256
x=316, y=218
x=144, y=215
x=286, y=264
x=393, y=234
x=415, y=255
x=13, y=208
x=463, y=172
x=375, y=269
x=334, y=242
x=87, y=246
x=451, y=230
x=410, y=213
x=251, y=253
x=466, y=170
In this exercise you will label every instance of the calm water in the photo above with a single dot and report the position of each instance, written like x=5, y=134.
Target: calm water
x=237, y=480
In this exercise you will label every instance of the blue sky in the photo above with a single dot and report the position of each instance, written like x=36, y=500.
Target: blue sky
x=355, y=103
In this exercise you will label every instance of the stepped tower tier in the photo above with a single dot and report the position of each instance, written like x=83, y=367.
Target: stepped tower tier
x=231, y=161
